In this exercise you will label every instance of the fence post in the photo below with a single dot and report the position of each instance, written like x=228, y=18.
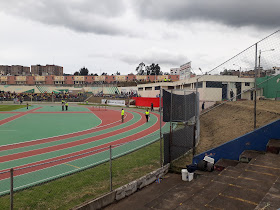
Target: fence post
x=12, y=189
x=170, y=133
x=111, y=176
x=255, y=100
x=160, y=131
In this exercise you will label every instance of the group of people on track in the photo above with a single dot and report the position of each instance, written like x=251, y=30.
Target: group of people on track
x=147, y=115
x=64, y=103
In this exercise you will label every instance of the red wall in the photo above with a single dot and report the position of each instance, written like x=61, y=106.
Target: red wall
x=89, y=79
x=49, y=80
x=146, y=102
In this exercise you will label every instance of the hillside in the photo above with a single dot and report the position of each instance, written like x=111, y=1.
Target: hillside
x=234, y=119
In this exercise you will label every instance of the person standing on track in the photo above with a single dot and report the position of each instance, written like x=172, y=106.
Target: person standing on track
x=27, y=105
x=62, y=104
x=147, y=114
x=66, y=106
x=122, y=114
x=152, y=107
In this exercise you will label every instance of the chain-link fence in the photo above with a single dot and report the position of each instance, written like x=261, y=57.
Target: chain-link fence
x=180, y=110
x=80, y=176
x=234, y=98
x=239, y=95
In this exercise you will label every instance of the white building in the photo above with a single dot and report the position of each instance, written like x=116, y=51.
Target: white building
x=277, y=70
x=211, y=88
x=175, y=71
x=184, y=71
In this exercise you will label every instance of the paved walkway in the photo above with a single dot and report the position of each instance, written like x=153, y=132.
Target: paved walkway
x=255, y=185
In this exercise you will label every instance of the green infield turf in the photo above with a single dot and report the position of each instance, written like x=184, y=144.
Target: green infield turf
x=10, y=107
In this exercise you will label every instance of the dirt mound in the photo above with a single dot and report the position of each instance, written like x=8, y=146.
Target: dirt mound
x=234, y=119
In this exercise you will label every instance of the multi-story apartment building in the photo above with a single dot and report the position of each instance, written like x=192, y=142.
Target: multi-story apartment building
x=37, y=69
x=15, y=70
x=5, y=70
x=53, y=70
x=26, y=70
x=47, y=70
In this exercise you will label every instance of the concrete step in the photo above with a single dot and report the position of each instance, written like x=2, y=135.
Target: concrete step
x=204, y=196
x=179, y=193
x=240, y=193
x=225, y=202
x=199, y=173
x=272, y=199
x=273, y=146
x=228, y=175
x=268, y=159
x=247, y=155
x=241, y=165
x=223, y=163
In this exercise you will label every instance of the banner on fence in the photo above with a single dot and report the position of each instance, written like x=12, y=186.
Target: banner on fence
x=146, y=101
x=113, y=102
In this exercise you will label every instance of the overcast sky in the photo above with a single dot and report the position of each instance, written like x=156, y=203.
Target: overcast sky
x=117, y=35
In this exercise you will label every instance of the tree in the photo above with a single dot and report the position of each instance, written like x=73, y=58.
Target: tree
x=76, y=73
x=140, y=69
x=118, y=73
x=166, y=73
x=95, y=74
x=148, y=70
x=84, y=71
x=104, y=73
x=155, y=69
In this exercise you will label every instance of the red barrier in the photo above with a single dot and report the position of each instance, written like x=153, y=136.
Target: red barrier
x=146, y=101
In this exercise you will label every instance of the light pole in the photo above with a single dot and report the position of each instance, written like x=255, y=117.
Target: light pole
x=260, y=52
x=239, y=69
x=255, y=92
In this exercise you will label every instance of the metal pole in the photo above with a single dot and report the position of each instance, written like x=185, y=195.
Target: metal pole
x=111, y=176
x=196, y=115
x=170, y=133
x=160, y=131
x=255, y=100
x=12, y=189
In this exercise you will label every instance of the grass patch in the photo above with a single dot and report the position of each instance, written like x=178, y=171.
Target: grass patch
x=69, y=191
x=11, y=107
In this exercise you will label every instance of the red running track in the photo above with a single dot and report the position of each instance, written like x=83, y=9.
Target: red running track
x=50, y=162
x=70, y=144
x=108, y=118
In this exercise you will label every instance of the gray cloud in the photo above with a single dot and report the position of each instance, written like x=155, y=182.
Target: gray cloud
x=154, y=56
x=235, y=13
x=79, y=15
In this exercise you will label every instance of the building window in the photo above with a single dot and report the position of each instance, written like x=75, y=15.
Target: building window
x=140, y=89
x=86, y=77
x=199, y=85
x=247, y=83
x=148, y=88
x=157, y=87
x=170, y=87
x=211, y=84
x=113, y=77
x=72, y=77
